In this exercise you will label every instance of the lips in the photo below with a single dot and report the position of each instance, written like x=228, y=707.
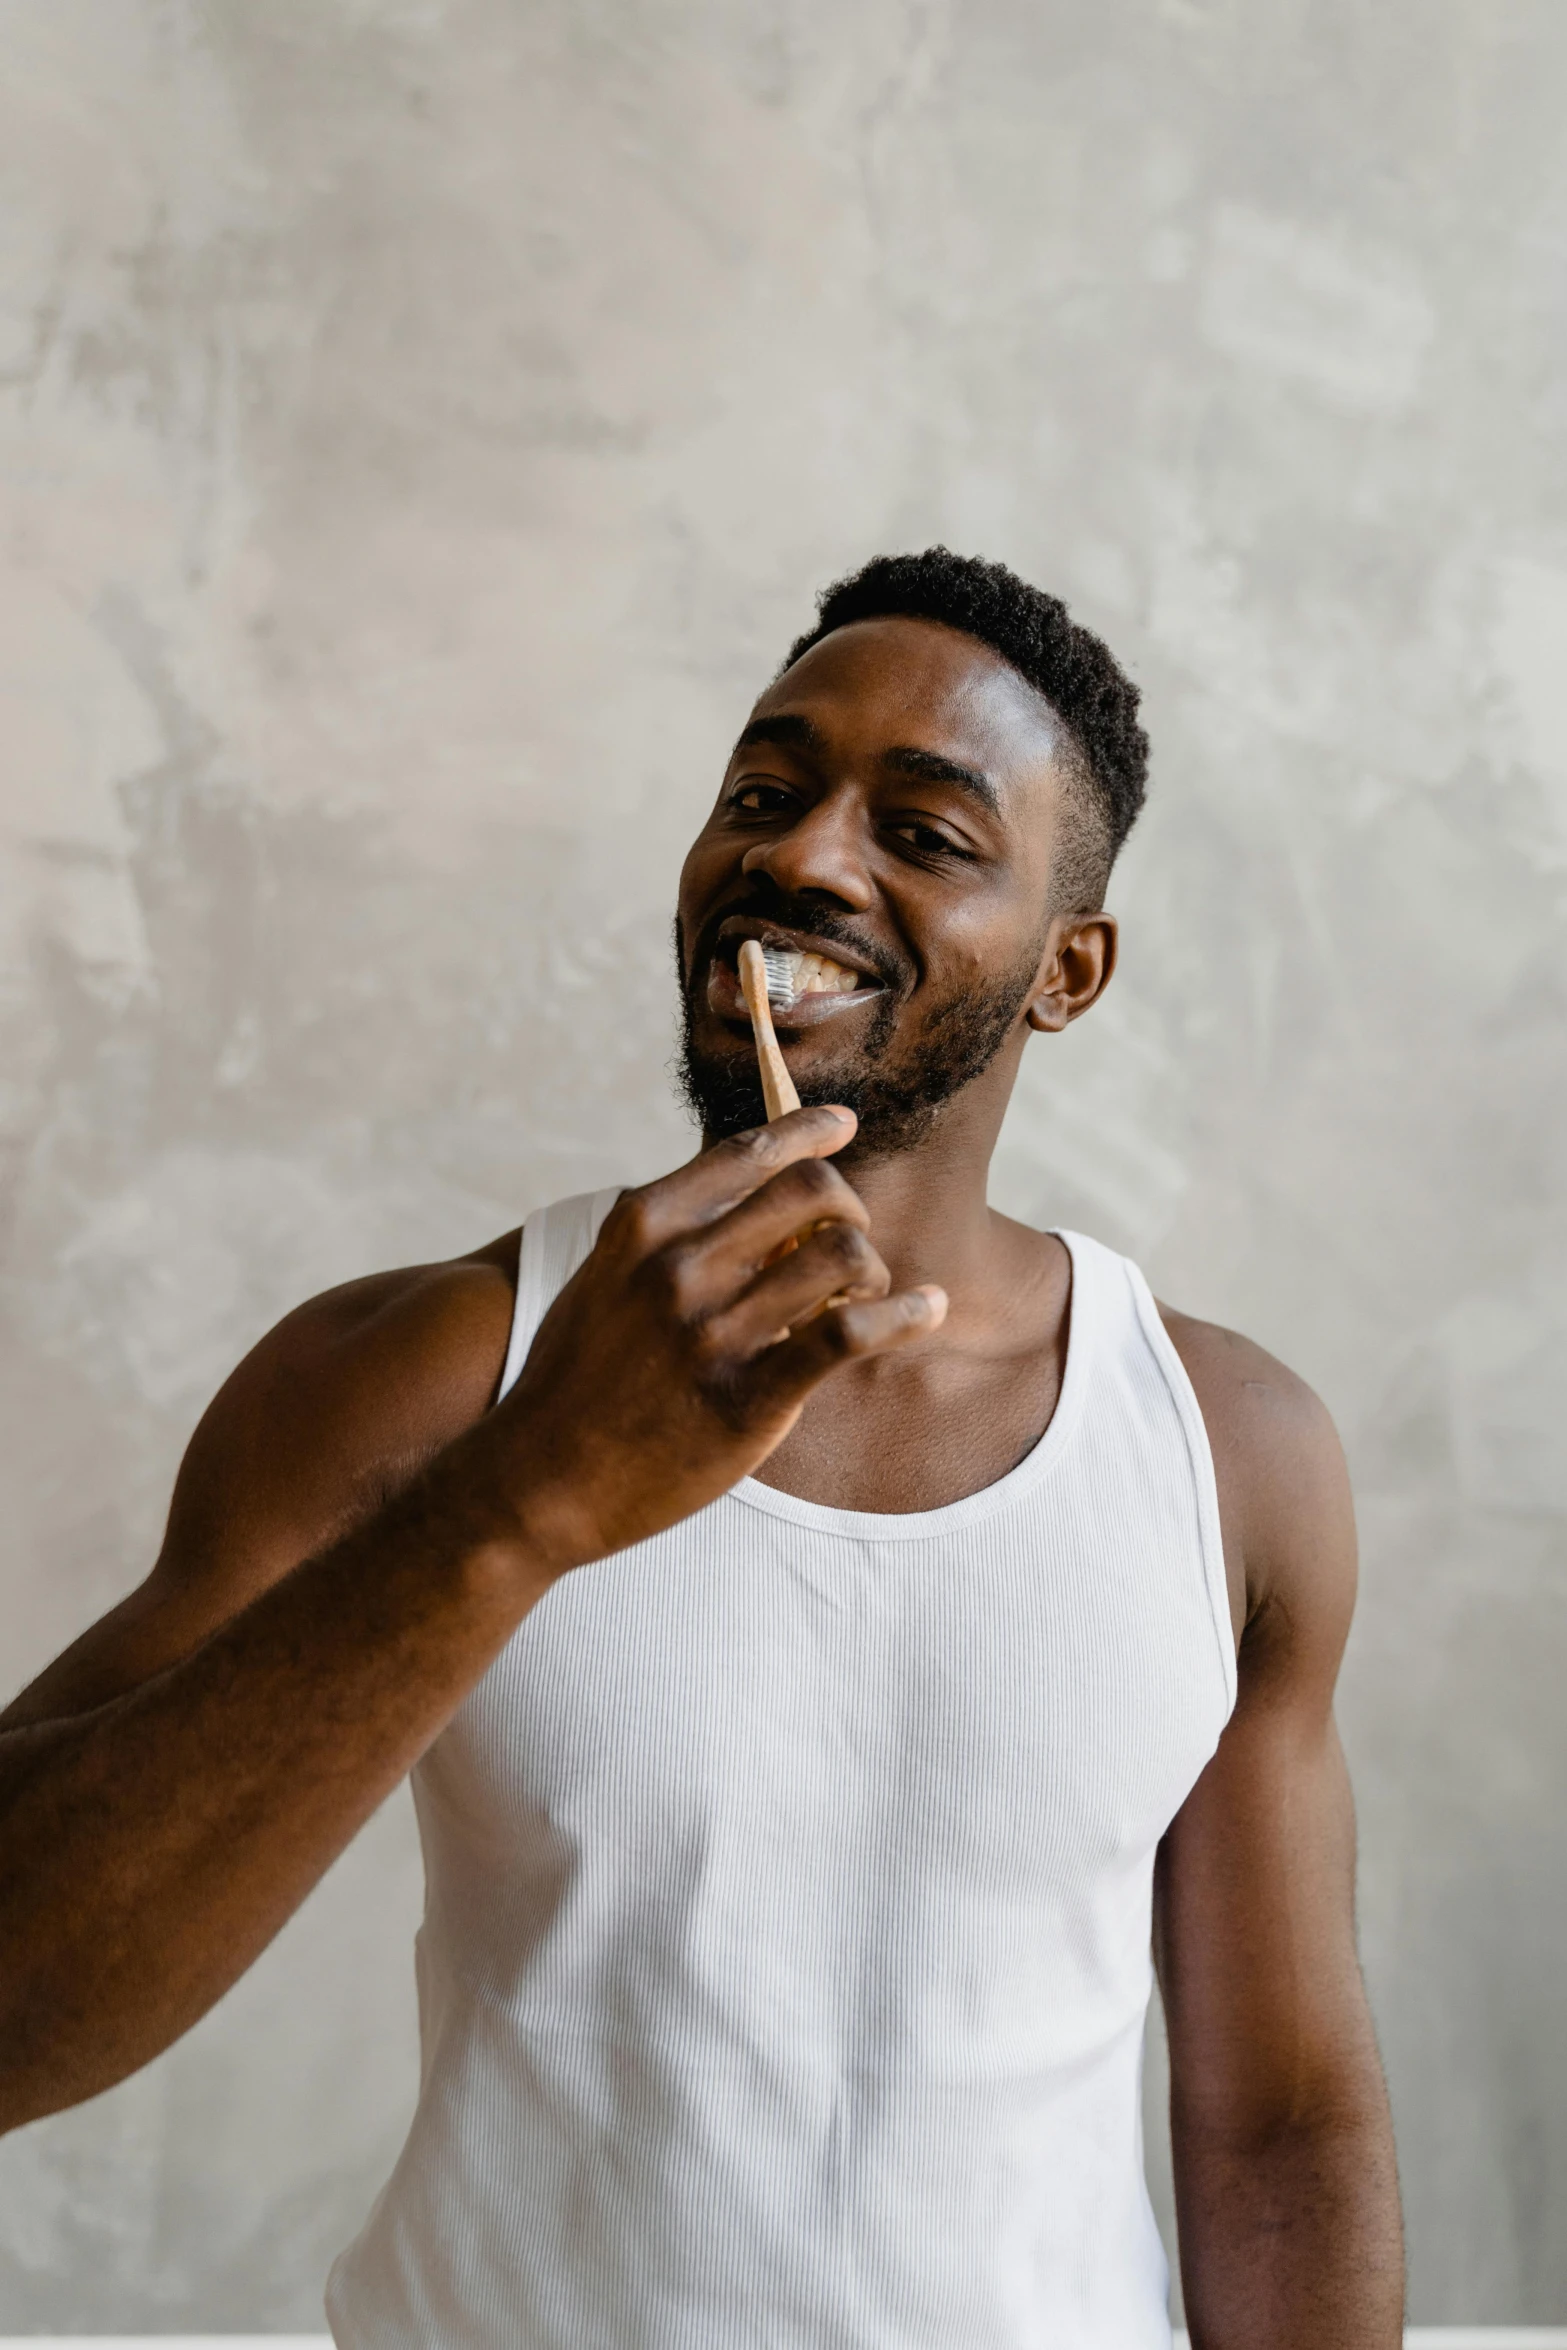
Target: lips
x=821, y=985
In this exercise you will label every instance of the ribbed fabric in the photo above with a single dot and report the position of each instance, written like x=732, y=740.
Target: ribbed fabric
x=785, y=1957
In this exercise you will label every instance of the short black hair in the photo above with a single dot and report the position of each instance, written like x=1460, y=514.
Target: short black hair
x=1075, y=671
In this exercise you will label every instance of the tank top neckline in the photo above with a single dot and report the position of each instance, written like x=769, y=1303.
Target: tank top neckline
x=1002, y=1492
x=1085, y=1311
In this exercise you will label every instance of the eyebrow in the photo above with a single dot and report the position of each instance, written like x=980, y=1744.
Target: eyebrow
x=933, y=768
x=788, y=729
x=792, y=731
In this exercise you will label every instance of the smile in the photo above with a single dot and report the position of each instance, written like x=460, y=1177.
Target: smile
x=820, y=987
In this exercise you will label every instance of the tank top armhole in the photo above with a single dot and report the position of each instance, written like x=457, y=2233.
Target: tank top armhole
x=554, y=1243
x=1200, y=1454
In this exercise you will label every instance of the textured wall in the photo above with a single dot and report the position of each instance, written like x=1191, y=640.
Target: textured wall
x=422, y=424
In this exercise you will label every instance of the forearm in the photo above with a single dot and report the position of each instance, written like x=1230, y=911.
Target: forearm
x=150, y=1849
x=1293, y=2240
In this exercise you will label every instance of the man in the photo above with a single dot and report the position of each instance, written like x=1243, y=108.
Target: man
x=819, y=1667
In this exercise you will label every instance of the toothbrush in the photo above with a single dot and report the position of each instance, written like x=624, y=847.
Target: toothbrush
x=764, y=973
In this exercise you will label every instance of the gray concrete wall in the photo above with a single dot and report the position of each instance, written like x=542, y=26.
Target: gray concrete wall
x=422, y=425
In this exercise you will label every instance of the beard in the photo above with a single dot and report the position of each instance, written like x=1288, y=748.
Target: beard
x=897, y=1086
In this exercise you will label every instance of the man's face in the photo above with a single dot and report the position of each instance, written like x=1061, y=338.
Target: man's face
x=888, y=815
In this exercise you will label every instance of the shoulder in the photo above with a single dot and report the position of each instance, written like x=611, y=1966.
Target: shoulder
x=418, y=1330
x=343, y=1400
x=1256, y=1408
x=1284, y=1497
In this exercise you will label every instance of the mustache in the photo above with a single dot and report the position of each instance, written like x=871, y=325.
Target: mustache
x=765, y=902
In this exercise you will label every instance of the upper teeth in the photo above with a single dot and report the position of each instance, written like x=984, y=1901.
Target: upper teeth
x=792, y=974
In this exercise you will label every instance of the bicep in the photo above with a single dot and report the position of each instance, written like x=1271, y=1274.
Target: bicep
x=216, y=1556
x=333, y=1410
x=235, y=1526
x=1254, y=1932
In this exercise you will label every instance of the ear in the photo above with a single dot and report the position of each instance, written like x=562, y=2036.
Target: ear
x=1075, y=969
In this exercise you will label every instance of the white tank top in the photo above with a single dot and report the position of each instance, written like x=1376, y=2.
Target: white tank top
x=785, y=1956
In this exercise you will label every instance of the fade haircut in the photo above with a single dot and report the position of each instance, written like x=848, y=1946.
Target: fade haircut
x=1106, y=768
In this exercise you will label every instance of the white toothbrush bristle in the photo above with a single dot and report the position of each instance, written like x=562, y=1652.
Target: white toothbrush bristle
x=777, y=962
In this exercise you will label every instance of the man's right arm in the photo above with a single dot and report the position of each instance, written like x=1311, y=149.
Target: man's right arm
x=193, y=1713
x=172, y=1788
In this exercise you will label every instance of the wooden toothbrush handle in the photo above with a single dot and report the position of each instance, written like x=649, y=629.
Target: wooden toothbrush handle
x=777, y=1084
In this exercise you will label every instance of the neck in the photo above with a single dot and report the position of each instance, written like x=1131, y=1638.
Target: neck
x=929, y=1217
x=930, y=1220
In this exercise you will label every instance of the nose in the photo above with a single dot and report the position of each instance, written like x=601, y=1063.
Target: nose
x=822, y=854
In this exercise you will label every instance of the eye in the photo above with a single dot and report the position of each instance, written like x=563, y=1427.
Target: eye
x=927, y=840
x=758, y=798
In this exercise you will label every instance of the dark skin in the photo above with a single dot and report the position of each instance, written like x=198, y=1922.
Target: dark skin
x=355, y=1532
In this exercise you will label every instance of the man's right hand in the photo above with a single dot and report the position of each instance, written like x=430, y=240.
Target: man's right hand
x=682, y=1350
x=175, y=1783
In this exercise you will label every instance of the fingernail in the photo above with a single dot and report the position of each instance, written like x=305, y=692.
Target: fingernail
x=938, y=1300
x=836, y=1110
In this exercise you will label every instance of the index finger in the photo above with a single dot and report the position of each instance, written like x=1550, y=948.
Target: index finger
x=717, y=1180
